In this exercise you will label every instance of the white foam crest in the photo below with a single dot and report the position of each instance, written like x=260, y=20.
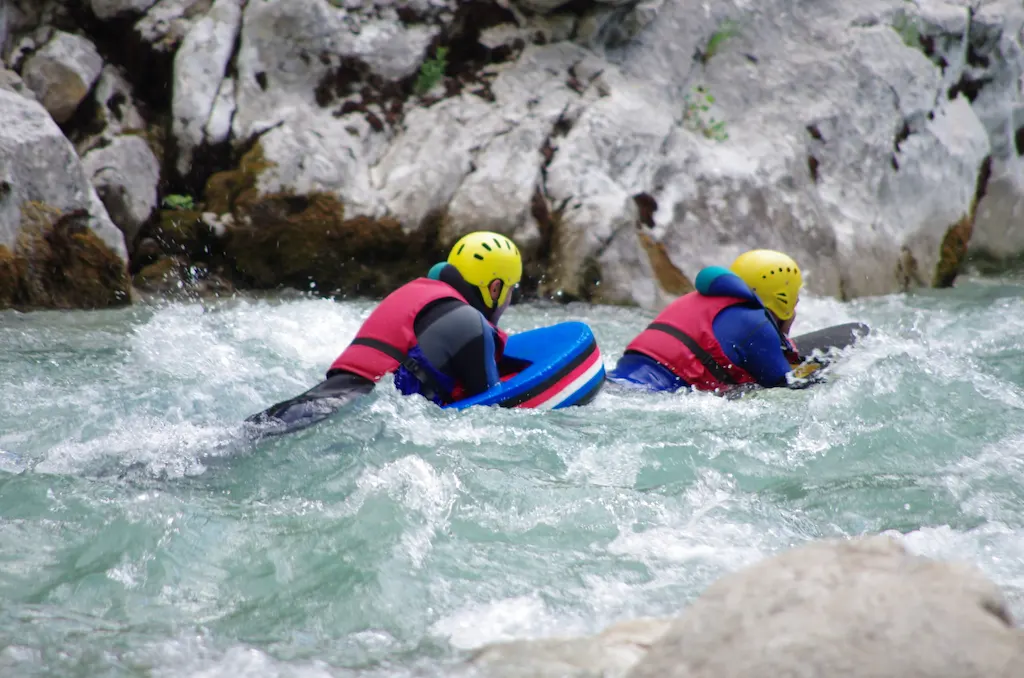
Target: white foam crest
x=513, y=618
x=1001, y=459
x=259, y=350
x=420, y=489
x=195, y=657
x=998, y=462
x=177, y=341
x=171, y=449
x=417, y=421
x=311, y=332
x=693, y=534
x=815, y=313
x=598, y=464
x=690, y=405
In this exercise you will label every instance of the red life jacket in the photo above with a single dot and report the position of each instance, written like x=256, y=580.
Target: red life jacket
x=681, y=338
x=383, y=341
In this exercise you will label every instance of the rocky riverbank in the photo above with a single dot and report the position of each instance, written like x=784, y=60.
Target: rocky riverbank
x=341, y=146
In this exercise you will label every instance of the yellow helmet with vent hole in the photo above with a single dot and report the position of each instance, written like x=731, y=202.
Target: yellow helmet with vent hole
x=774, y=277
x=482, y=257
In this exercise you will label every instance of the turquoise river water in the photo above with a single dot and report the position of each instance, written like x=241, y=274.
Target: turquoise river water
x=142, y=535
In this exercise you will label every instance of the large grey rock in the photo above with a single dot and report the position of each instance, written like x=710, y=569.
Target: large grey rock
x=835, y=133
x=441, y=138
x=984, y=48
x=999, y=224
x=62, y=72
x=315, y=153
x=863, y=608
x=203, y=96
x=293, y=60
x=292, y=50
x=125, y=174
x=854, y=609
x=604, y=160
x=278, y=62
x=838, y=124
x=484, y=164
x=480, y=161
x=38, y=163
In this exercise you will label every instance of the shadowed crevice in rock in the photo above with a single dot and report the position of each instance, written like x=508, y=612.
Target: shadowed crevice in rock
x=812, y=160
x=212, y=156
x=149, y=69
x=666, y=273
x=537, y=276
x=968, y=86
x=646, y=206
x=902, y=135
x=672, y=280
x=186, y=232
x=536, y=268
x=466, y=54
x=383, y=101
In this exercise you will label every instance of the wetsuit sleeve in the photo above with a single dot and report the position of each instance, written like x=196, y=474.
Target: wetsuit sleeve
x=458, y=341
x=750, y=339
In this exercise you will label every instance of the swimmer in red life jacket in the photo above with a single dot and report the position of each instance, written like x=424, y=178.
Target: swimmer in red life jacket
x=733, y=330
x=438, y=335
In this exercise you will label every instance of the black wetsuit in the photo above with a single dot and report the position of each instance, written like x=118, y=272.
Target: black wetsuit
x=459, y=342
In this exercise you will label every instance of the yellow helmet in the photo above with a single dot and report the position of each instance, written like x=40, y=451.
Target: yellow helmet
x=482, y=257
x=774, y=277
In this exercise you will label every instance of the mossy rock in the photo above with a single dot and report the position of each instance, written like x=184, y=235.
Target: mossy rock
x=306, y=242
x=953, y=252
x=9, y=279
x=164, y=274
x=62, y=264
x=226, y=190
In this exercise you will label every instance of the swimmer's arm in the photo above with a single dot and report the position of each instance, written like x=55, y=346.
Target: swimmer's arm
x=749, y=337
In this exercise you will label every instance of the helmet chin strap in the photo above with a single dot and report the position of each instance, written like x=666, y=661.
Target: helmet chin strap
x=450, y=275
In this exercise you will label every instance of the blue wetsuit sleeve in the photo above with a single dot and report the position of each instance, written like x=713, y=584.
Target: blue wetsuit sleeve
x=749, y=338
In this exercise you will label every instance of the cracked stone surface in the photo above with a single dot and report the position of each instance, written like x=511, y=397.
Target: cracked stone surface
x=855, y=136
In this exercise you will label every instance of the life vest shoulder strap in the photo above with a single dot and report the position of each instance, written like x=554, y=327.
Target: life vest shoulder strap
x=705, y=358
